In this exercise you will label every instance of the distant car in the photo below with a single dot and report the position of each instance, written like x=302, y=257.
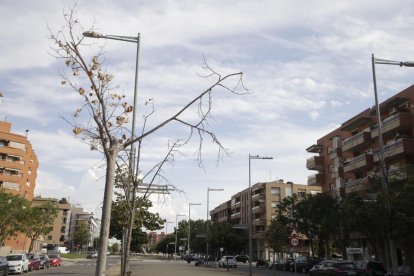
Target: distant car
x=242, y=258
x=372, y=268
x=282, y=264
x=262, y=263
x=44, y=261
x=304, y=263
x=227, y=261
x=18, y=263
x=34, y=261
x=335, y=268
x=55, y=260
x=91, y=255
x=4, y=266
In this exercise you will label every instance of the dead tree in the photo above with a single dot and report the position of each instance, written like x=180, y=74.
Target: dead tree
x=102, y=118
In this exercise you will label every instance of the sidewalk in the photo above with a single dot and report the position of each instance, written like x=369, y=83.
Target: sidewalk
x=170, y=268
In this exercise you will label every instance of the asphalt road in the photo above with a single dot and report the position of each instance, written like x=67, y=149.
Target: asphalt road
x=147, y=267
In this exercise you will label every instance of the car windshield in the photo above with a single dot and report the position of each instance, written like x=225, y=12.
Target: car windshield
x=14, y=257
x=42, y=257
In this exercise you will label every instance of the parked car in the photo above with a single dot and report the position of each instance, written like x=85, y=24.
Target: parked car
x=34, y=261
x=4, y=266
x=91, y=255
x=372, y=268
x=227, y=261
x=18, y=263
x=304, y=263
x=262, y=263
x=282, y=264
x=44, y=261
x=242, y=258
x=335, y=268
x=55, y=260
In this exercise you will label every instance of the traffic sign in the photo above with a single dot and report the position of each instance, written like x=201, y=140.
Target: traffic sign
x=294, y=242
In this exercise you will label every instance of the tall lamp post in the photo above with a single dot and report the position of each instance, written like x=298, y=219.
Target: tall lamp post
x=176, y=233
x=208, y=215
x=249, y=209
x=189, y=222
x=384, y=173
x=101, y=262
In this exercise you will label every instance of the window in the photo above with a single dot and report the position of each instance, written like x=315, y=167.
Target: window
x=49, y=238
x=288, y=191
x=275, y=191
x=301, y=192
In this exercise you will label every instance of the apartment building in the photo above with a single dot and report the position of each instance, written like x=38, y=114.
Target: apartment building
x=60, y=227
x=18, y=162
x=265, y=198
x=348, y=158
x=18, y=172
x=79, y=217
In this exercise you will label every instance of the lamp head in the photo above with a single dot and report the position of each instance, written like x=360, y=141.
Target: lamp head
x=93, y=34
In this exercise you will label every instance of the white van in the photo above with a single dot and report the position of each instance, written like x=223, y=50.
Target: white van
x=63, y=250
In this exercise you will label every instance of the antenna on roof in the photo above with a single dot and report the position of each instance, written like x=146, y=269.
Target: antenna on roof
x=27, y=131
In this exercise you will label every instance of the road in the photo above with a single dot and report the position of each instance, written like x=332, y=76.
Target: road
x=148, y=267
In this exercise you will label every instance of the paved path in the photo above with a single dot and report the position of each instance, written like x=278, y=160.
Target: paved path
x=171, y=268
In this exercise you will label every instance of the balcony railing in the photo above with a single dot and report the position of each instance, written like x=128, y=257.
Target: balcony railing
x=357, y=184
x=359, y=162
x=358, y=140
x=315, y=179
x=396, y=122
x=314, y=163
x=399, y=147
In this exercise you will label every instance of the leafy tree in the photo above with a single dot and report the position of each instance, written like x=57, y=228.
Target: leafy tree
x=114, y=248
x=81, y=236
x=39, y=221
x=164, y=244
x=139, y=238
x=12, y=214
x=277, y=236
x=222, y=234
x=102, y=117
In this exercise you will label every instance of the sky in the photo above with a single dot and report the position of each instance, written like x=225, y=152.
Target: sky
x=306, y=64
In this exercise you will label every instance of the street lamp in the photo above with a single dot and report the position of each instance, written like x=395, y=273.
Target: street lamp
x=384, y=173
x=208, y=215
x=249, y=209
x=176, y=233
x=189, y=222
x=101, y=263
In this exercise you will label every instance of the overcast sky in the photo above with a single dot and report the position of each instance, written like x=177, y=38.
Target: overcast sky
x=307, y=65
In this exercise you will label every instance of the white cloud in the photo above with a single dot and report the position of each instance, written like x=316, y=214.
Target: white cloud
x=306, y=72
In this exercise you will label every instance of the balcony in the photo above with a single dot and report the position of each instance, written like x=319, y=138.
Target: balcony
x=316, y=179
x=258, y=197
x=397, y=149
x=258, y=209
x=12, y=151
x=315, y=149
x=358, y=184
x=337, y=172
x=357, y=141
x=396, y=122
x=259, y=221
x=359, y=162
x=401, y=172
x=235, y=215
x=314, y=163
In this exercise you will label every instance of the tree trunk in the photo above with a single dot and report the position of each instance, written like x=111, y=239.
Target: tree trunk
x=106, y=211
